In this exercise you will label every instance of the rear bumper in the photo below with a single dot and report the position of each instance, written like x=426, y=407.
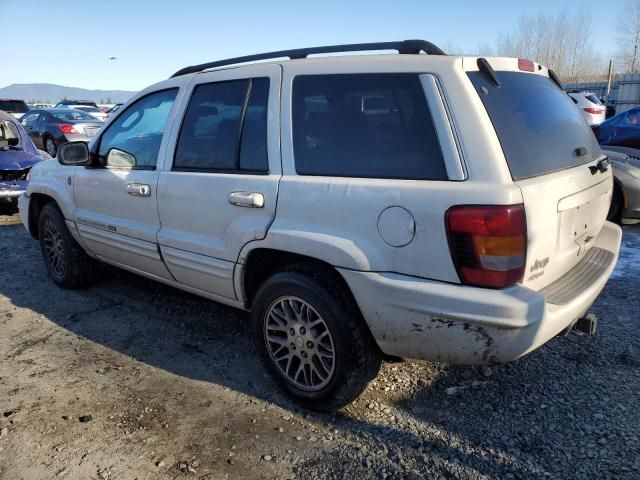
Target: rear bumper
x=417, y=318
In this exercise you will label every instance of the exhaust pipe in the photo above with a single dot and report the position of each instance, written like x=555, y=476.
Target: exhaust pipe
x=587, y=325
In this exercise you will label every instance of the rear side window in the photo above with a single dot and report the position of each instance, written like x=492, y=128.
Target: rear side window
x=225, y=128
x=364, y=125
x=538, y=125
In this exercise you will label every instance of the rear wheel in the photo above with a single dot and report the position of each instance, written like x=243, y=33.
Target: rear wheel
x=50, y=146
x=68, y=265
x=313, y=339
x=617, y=205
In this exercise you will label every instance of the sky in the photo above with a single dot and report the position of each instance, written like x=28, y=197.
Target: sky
x=68, y=42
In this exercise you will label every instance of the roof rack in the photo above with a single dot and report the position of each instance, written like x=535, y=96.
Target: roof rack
x=404, y=47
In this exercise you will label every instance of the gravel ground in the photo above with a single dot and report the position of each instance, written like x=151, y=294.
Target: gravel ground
x=130, y=379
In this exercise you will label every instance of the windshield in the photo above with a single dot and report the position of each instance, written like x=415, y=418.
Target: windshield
x=538, y=125
x=73, y=115
x=13, y=106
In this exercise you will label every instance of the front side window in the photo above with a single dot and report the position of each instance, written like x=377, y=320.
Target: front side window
x=225, y=128
x=133, y=139
x=365, y=125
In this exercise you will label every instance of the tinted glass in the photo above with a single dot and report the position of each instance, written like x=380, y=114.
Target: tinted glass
x=210, y=136
x=138, y=131
x=13, y=106
x=593, y=99
x=537, y=124
x=253, y=145
x=30, y=119
x=364, y=125
x=73, y=116
x=88, y=109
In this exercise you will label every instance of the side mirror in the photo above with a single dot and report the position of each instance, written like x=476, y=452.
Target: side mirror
x=74, y=154
x=13, y=142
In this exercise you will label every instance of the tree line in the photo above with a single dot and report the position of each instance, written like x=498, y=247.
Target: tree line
x=563, y=43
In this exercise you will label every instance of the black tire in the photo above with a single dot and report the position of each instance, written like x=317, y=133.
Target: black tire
x=53, y=150
x=356, y=359
x=617, y=204
x=73, y=267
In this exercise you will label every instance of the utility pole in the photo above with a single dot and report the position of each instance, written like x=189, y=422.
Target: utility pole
x=606, y=97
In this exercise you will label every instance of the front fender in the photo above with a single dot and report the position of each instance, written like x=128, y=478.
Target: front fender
x=56, y=181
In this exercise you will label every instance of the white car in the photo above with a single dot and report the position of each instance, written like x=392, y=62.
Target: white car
x=360, y=206
x=93, y=111
x=590, y=105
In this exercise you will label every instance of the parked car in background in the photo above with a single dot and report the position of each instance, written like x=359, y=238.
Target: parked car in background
x=93, y=111
x=590, y=105
x=357, y=206
x=625, y=203
x=51, y=128
x=111, y=111
x=38, y=106
x=68, y=103
x=622, y=130
x=17, y=155
x=17, y=108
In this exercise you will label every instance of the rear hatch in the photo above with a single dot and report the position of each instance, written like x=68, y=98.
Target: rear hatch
x=552, y=155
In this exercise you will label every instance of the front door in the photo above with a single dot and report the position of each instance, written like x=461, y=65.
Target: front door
x=218, y=190
x=116, y=205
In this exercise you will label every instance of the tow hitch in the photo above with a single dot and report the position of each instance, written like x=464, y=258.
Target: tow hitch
x=587, y=325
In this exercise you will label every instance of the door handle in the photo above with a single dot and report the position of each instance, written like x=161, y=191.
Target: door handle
x=139, y=189
x=246, y=199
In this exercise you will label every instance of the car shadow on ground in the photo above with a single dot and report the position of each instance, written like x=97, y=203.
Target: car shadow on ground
x=198, y=339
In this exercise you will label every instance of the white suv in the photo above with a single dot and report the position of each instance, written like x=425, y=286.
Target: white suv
x=592, y=108
x=360, y=206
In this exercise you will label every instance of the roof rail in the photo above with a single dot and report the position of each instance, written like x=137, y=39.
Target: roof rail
x=403, y=47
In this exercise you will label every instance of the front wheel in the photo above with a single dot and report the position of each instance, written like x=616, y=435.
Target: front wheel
x=68, y=265
x=313, y=340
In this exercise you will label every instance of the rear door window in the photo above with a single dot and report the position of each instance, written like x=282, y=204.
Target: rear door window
x=538, y=125
x=364, y=125
x=225, y=128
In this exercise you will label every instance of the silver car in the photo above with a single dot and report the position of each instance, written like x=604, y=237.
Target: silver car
x=625, y=204
x=50, y=128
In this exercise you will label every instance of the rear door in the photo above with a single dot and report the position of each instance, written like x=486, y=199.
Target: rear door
x=552, y=155
x=219, y=188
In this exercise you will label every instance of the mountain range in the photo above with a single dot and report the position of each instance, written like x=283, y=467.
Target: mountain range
x=50, y=93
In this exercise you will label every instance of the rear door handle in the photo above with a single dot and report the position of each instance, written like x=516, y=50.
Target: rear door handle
x=246, y=199
x=139, y=189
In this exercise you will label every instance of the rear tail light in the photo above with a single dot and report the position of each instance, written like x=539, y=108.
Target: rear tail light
x=596, y=111
x=488, y=243
x=68, y=129
x=526, y=65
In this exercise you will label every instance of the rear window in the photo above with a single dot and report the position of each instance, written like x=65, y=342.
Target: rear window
x=364, y=125
x=13, y=106
x=593, y=99
x=72, y=116
x=538, y=125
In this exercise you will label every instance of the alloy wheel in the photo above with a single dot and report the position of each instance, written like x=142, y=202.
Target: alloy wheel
x=54, y=247
x=299, y=343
